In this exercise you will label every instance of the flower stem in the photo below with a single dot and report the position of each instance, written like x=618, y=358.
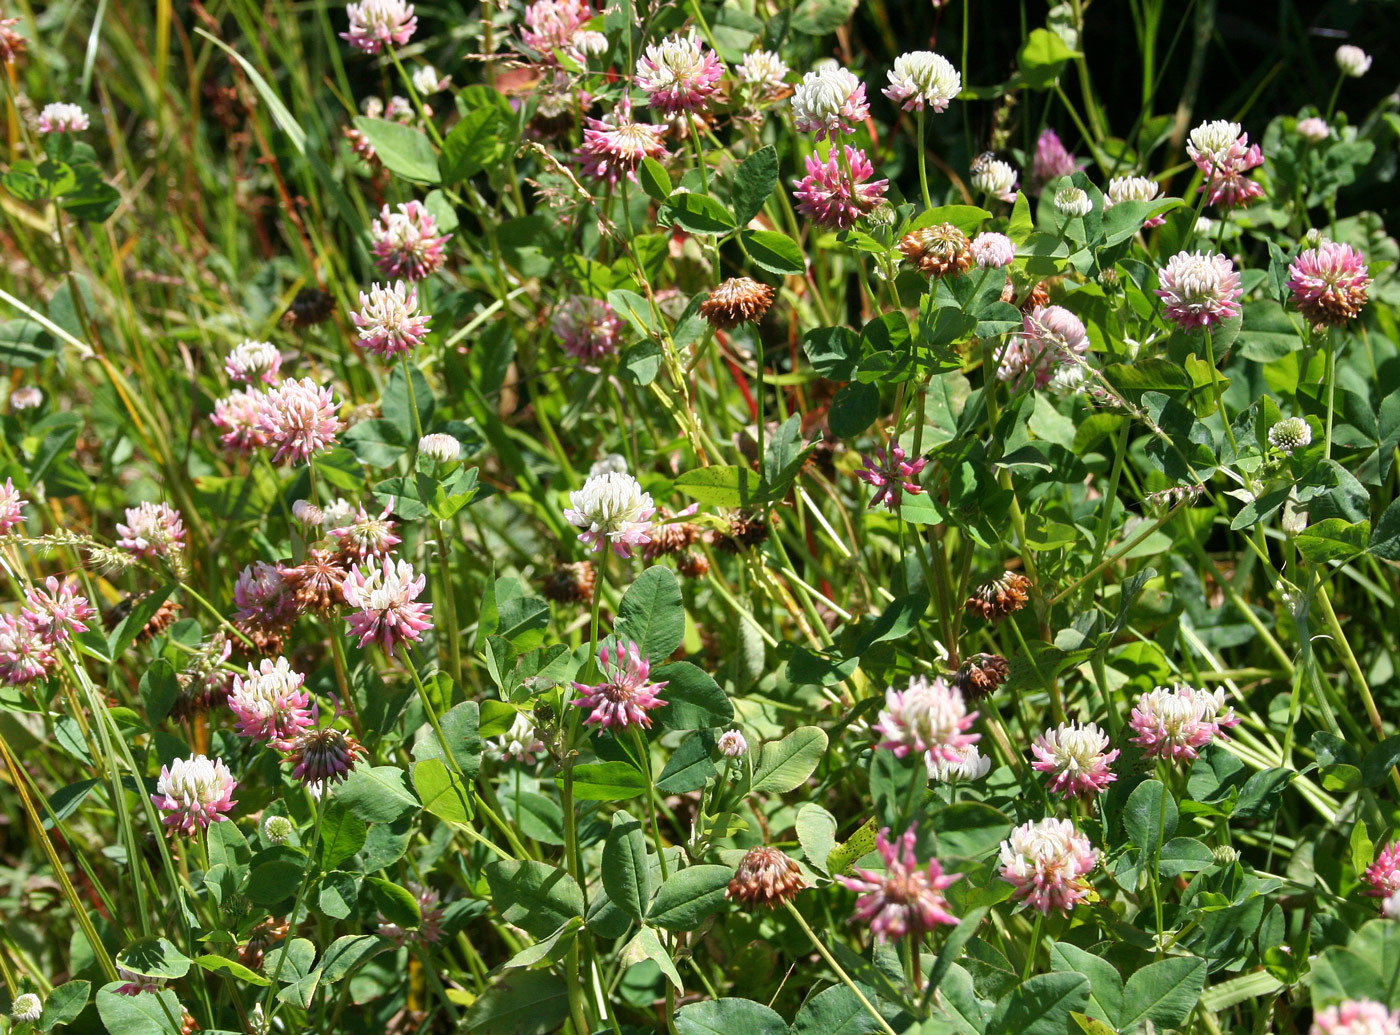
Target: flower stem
x=840, y=973
x=923, y=169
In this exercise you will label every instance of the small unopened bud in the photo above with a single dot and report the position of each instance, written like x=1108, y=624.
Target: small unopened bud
x=732, y=744
x=1290, y=434
x=1225, y=855
x=277, y=829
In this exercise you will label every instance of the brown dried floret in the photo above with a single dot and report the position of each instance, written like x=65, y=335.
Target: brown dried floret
x=1000, y=597
x=737, y=300
x=570, y=583
x=981, y=674
x=765, y=877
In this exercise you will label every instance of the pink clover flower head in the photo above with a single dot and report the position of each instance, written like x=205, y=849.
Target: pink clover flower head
x=929, y=718
x=732, y=744
x=991, y=250
x=389, y=322
x=58, y=610
x=520, y=743
x=1383, y=875
x=239, y=415
x=152, y=530
x=253, y=361
x=261, y=597
x=993, y=177
x=626, y=695
x=299, y=419
x=1314, y=130
x=1048, y=350
x=588, y=328
x=135, y=984
x=1051, y=160
x=1047, y=861
x=12, y=44
x=614, y=146
x=62, y=118
x=367, y=536
x=678, y=74
x=1223, y=153
x=11, y=507
x=194, y=792
x=1175, y=722
x=323, y=756
x=1329, y=283
x=612, y=507
x=552, y=25
x=1134, y=188
x=907, y=898
x=922, y=78
x=1077, y=757
x=270, y=704
x=25, y=655
x=1356, y=1017
x=406, y=242
x=386, y=595
x=891, y=475
x=374, y=24
x=828, y=101
x=26, y=397
x=1199, y=290
x=429, y=929
x=832, y=198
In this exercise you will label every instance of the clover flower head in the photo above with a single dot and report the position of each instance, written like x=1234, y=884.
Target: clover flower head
x=930, y=718
x=1290, y=435
x=626, y=694
x=194, y=792
x=427, y=81
x=1313, y=129
x=26, y=1007
x=612, y=507
x=828, y=101
x=735, y=301
x=1383, y=875
x=615, y=145
x=239, y=416
x=1356, y=1017
x=1329, y=283
x=922, y=79
x=995, y=178
x=367, y=536
x=386, y=596
x=1076, y=757
x=832, y=197
x=1072, y=201
x=389, y=322
x=907, y=898
x=11, y=507
x=152, y=530
x=374, y=24
x=552, y=25
x=1051, y=160
x=1175, y=722
x=1047, y=861
x=299, y=419
x=1134, y=188
x=57, y=610
x=764, y=71
x=1223, y=153
x=588, y=328
x=407, y=243
x=62, y=118
x=440, y=448
x=323, y=756
x=270, y=704
x=678, y=74
x=891, y=474
x=971, y=765
x=732, y=744
x=1353, y=61
x=520, y=743
x=766, y=877
x=1199, y=290
x=1048, y=350
x=25, y=655
x=26, y=397
x=991, y=250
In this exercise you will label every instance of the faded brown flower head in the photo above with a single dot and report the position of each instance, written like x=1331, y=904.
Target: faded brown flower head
x=1039, y=296
x=262, y=937
x=311, y=306
x=738, y=300
x=937, y=251
x=570, y=583
x=316, y=584
x=765, y=877
x=693, y=564
x=746, y=529
x=1000, y=597
x=981, y=674
x=160, y=621
x=669, y=537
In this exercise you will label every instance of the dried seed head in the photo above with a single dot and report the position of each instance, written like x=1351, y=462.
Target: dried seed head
x=937, y=251
x=1039, y=296
x=765, y=877
x=693, y=565
x=980, y=675
x=571, y=583
x=1000, y=597
x=746, y=529
x=670, y=537
x=160, y=621
x=311, y=306
x=737, y=300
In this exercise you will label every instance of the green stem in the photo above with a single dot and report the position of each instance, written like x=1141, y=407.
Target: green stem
x=840, y=973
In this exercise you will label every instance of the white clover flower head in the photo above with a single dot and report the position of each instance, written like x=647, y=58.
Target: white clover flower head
x=972, y=765
x=26, y=398
x=337, y=512
x=1131, y=188
x=1390, y=906
x=520, y=743
x=922, y=78
x=194, y=792
x=678, y=74
x=612, y=507
x=308, y=513
x=26, y=1007
x=732, y=744
x=440, y=447
x=1353, y=61
x=1216, y=137
x=426, y=80
x=829, y=100
x=996, y=178
x=1072, y=201
x=590, y=43
x=1290, y=435
x=763, y=70
x=253, y=361
x=62, y=118
x=277, y=829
